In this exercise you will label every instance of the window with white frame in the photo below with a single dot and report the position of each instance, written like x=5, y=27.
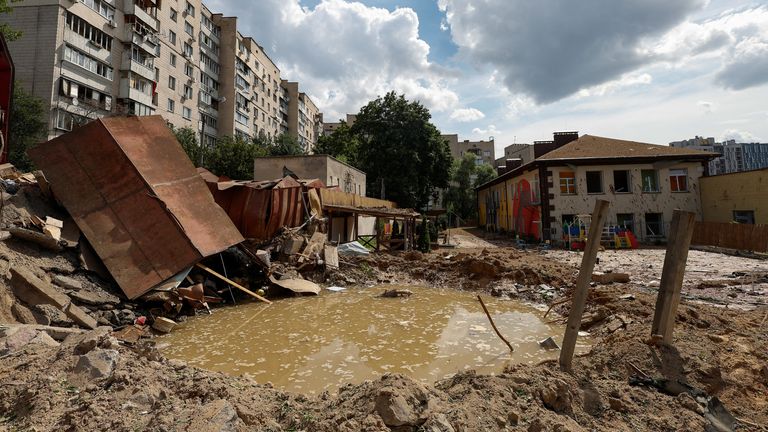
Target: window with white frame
x=171, y=105
x=186, y=112
x=678, y=180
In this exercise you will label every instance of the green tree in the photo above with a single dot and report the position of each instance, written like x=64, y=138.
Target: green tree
x=400, y=147
x=425, y=244
x=484, y=173
x=286, y=145
x=341, y=144
x=28, y=127
x=466, y=175
x=233, y=157
x=187, y=137
x=6, y=30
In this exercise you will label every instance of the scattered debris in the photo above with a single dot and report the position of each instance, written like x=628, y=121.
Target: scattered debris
x=606, y=278
x=163, y=325
x=396, y=293
x=549, y=343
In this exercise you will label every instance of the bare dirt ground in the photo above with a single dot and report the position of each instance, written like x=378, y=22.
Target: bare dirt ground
x=92, y=382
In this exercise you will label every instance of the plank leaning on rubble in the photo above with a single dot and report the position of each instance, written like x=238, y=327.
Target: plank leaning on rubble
x=233, y=283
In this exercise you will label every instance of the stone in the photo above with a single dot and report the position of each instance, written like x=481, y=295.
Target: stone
x=34, y=291
x=216, y=416
x=438, y=423
x=94, y=298
x=557, y=397
x=97, y=364
x=67, y=282
x=686, y=401
x=17, y=337
x=513, y=418
x=394, y=409
x=23, y=314
x=481, y=268
x=89, y=341
x=549, y=344
x=617, y=404
x=53, y=315
x=607, y=278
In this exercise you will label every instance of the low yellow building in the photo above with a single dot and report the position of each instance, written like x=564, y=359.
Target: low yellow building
x=643, y=182
x=737, y=197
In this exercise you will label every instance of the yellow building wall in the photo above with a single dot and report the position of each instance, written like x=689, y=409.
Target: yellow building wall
x=722, y=194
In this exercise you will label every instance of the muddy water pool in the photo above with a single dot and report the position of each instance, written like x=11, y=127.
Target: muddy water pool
x=312, y=344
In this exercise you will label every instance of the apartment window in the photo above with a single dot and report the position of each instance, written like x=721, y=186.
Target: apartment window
x=172, y=83
x=204, y=98
x=102, y=8
x=171, y=105
x=189, y=70
x=567, y=183
x=188, y=28
x=744, y=216
x=210, y=63
x=94, y=35
x=594, y=182
x=486, y=153
x=174, y=15
x=650, y=179
x=622, y=181
x=654, y=224
x=190, y=10
x=173, y=59
x=172, y=37
x=188, y=92
x=678, y=180
x=626, y=220
x=85, y=95
x=186, y=112
x=241, y=118
x=68, y=121
x=87, y=62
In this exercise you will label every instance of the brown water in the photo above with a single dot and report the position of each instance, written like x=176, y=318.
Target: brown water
x=311, y=344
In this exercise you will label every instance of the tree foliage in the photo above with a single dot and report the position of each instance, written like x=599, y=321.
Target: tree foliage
x=6, y=30
x=233, y=156
x=399, y=146
x=341, y=144
x=466, y=175
x=28, y=127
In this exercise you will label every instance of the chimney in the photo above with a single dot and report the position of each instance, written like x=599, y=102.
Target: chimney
x=540, y=148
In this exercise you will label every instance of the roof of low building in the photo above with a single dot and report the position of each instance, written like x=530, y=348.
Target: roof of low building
x=591, y=146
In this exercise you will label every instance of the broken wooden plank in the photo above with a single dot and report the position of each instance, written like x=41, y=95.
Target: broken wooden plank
x=599, y=215
x=233, y=283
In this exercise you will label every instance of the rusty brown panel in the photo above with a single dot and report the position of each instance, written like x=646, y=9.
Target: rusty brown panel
x=136, y=197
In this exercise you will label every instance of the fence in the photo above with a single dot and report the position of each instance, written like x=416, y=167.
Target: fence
x=731, y=236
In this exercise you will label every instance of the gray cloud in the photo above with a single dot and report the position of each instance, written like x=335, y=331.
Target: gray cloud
x=551, y=49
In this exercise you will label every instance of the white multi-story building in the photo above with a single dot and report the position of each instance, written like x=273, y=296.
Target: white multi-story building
x=92, y=58
x=734, y=157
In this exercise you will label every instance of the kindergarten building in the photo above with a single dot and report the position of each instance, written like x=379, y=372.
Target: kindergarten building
x=644, y=183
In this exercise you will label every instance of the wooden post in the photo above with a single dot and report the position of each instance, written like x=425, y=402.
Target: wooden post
x=582, y=284
x=681, y=232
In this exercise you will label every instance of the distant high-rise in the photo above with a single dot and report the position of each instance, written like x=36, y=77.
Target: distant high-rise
x=734, y=157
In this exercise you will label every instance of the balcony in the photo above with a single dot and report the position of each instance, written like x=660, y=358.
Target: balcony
x=128, y=92
x=207, y=69
x=139, y=69
x=130, y=8
x=85, y=45
x=148, y=43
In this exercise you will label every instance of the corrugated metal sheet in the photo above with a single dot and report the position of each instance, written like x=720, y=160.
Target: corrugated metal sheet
x=136, y=197
x=260, y=209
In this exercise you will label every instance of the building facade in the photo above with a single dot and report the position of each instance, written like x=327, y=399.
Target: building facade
x=328, y=169
x=740, y=197
x=330, y=127
x=733, y=157
x=484, y=151
x=305, y=121
x=645, y=183
x=175, y=58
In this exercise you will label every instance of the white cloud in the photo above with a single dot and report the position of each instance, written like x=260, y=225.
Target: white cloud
x=467, y=115
x=627, y=80
x=490, y=131
x=706, y=106
x=739, y=136
x=345, y=54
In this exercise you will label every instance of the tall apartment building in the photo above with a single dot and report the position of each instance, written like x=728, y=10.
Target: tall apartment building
x=304, y=118
x=330, y=127
x=734, y=157
x=92, y=58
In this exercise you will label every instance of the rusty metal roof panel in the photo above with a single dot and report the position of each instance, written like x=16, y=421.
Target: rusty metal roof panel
x=136, y=197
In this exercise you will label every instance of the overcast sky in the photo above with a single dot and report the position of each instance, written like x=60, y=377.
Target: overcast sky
x=518, y=70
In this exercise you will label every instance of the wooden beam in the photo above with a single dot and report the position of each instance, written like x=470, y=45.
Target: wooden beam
x=681, y=232
x=582, y=284
x=233, y=283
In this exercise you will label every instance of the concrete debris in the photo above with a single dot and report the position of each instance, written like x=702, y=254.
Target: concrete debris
x=34, y=291
x=97, y=364
x=67, y=282
x=607, y=278
x=14, y=338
